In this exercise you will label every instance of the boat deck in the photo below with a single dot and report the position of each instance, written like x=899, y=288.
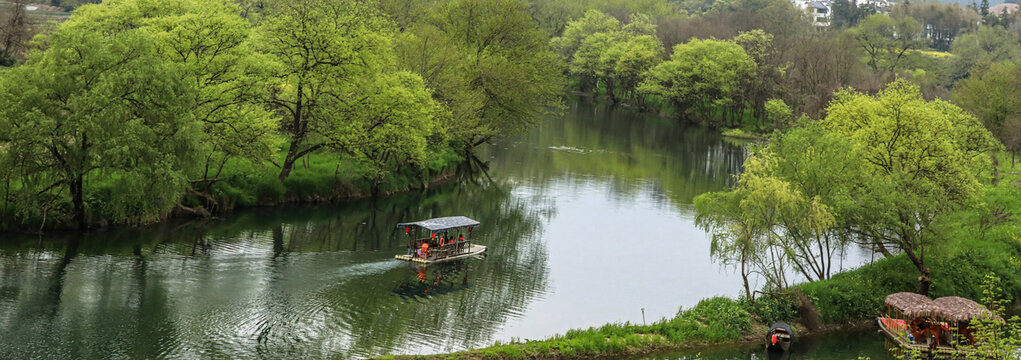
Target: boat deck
x=474, y=250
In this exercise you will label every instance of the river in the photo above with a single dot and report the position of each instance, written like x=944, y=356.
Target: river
x=588, y=219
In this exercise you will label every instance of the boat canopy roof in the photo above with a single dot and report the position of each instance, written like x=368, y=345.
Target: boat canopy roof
x=914, y=305
x=956, y=308
x=443, y=223
x=950, y=308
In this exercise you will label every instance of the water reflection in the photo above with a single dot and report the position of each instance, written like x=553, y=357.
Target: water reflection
x=587, y=220
x=434, y=280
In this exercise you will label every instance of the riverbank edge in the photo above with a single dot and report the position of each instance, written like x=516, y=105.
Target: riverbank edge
x=180, y=211
x=753, y=336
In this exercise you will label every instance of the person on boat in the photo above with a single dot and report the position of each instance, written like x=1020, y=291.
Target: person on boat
x=460, y=238
x=424, y=251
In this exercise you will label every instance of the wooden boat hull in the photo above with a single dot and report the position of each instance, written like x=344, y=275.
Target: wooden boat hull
x=474, y=250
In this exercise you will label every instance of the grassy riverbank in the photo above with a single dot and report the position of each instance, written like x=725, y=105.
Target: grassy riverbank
x=317, y=177
x=985, y=239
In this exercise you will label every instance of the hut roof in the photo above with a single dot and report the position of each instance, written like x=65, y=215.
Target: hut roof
x=956, y=308
x=443, y=223
x=914, y=305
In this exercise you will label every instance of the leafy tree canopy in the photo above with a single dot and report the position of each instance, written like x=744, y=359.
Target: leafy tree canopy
x=700, y=73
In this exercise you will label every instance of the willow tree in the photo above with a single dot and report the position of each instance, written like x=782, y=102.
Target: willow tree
x=921, y=160
x=784, y=212
x=733, y=240
x=502, y=72
x=98, y=107
x=209, y=43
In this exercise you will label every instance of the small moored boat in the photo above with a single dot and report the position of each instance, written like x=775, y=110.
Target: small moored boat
x=780, y=337
x=445, y=240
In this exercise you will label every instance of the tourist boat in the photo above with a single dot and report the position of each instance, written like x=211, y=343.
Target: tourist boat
x=444, y=242
x=780, y=337
x=939, y=328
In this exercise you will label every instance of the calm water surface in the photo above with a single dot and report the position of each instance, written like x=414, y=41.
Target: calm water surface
x=588, y=219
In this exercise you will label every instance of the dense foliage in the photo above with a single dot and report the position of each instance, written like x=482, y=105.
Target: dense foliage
x=134, y=108
x=878, y=170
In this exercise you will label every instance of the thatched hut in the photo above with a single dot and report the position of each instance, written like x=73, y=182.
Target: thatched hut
x=913, y=305
x=959, y=309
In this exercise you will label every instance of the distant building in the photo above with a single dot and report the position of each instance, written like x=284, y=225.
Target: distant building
x=818, y=10
x=821, y=11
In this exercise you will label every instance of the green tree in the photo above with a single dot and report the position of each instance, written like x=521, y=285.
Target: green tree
x=508, y=74
x=734, y=240
x=210, y=43
x=757, y=89
x=397, y=116
x=991, y=94
x=941, y=22
x=779, y=114
x=326, y=53
x=574, y=36
x=591, y=61
x=700, y=74
x=577, y=31
x=886, y=41
x=987, y=45
x=98, y=107
x=784, y=212
x=922, y=160
x=631, y=60
x=616, y=57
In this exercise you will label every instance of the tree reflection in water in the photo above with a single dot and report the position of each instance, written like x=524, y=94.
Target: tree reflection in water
x=294, y=281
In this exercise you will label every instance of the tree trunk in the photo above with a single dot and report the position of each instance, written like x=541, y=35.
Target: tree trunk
x=883, y=250
x=996, y=168
x=78, y=200
x=7, y=199
x=924, y=282
x=292, y=157
x=610, y=92
x=744, y=277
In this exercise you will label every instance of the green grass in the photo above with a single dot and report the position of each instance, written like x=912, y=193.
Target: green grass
x=319, y=177
x=713, y=320
x=741, y=134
